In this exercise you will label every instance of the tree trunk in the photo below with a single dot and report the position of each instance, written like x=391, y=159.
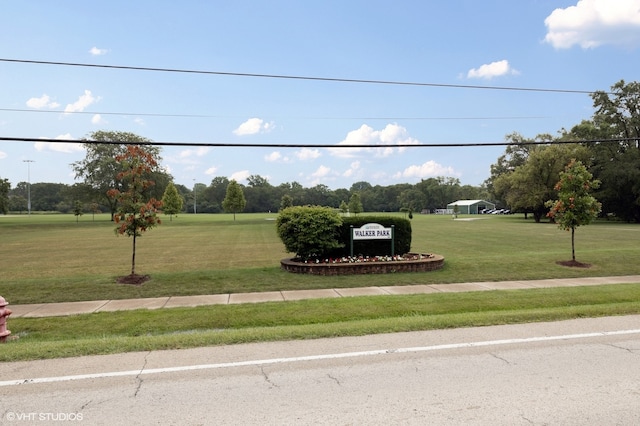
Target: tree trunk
x=133, y=256
x=573, y=246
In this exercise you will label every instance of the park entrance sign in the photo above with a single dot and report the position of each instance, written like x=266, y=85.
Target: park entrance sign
x=372, y=231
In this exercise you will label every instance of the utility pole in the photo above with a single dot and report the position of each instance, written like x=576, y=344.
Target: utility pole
x=28, y=184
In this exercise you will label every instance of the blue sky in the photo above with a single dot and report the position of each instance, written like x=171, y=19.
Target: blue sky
x=573, y=45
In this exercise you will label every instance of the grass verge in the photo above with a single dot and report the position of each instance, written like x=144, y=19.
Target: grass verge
x=143, y=330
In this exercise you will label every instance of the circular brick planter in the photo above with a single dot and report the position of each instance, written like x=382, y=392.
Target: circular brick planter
x=415, y=263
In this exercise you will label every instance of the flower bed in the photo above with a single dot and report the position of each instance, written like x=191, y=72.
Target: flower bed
x=410, y=262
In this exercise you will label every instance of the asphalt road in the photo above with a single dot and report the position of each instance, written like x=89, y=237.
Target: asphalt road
x=579, y=372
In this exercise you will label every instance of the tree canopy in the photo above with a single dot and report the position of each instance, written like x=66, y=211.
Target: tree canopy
x=99, y=169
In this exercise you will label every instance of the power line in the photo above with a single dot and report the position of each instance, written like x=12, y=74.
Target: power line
x=142, y=114
x=332, y=146
x=296, y=77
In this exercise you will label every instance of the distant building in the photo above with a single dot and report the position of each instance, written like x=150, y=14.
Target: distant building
x=471, y=206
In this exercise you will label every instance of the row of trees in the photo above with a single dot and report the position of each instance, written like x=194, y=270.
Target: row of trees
x=522, y=179
x=608, y=145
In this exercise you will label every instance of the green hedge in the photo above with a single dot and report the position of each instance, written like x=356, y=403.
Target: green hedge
x=402, y=237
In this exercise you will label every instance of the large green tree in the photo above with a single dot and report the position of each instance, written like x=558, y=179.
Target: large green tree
x=530, y=185
x=575, y=205
x=99, y=169
x=616, y=164
x=234, y=200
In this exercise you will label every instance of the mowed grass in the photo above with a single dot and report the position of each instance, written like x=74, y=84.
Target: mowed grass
x=51, y=258
x=177, y=328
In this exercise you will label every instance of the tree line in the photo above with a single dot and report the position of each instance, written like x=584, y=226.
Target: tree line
x=522, y=179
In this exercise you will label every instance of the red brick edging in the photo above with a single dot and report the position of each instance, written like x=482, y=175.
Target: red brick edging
x=429, y=262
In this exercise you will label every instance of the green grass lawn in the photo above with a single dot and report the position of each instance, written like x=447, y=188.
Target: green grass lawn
x=51, y=258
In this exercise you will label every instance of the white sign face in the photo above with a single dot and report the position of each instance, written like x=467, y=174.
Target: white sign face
x=372, y=231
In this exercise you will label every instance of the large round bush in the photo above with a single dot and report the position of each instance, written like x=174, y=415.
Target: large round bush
x=309, y=231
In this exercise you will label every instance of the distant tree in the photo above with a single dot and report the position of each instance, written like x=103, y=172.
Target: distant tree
x=95, y=208
x=574, y=206
x=136, y=214
x=286, y=201
x=5, y=186
x=344, y=207
x=99, y=169
x=77, y=209
x=171, y=201
x=234, y=200
x=355, y=204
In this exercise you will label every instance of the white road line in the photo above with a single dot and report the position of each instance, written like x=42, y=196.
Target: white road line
x=314, y=357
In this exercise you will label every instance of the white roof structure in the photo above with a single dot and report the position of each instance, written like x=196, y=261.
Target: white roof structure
x=471, y=206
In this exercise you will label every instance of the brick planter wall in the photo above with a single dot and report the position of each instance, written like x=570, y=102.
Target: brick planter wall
x=418, y=265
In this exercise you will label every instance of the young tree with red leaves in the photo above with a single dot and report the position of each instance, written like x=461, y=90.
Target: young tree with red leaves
x=574, y=206
x=135, y=213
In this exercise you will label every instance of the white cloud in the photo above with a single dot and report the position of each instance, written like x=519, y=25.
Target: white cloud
x=139, y=121
x=211, y=171
x=276, y=157
x=392, y=134
x=240, y=176
x=592, y=23
x=3, y=155
x=82, y=103
x=97, y=52
x=64, y=147
x=307, y=154
x=43, y=101
x=321, y=172
x=352, y=169
x=198, y=152
x=494, y=69
x=253, y=126
x=428, y=169
x=97, y=119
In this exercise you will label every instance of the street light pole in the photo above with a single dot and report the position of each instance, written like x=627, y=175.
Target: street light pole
x=29, y=184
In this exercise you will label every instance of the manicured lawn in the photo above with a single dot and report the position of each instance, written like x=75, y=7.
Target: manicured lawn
x=52, y=258
x=142, y=330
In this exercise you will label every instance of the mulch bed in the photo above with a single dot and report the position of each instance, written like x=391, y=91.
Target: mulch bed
x=134, y=279
x=573, y=264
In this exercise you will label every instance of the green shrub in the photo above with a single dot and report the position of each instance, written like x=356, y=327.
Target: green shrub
x=402, y=237
x=309, y=231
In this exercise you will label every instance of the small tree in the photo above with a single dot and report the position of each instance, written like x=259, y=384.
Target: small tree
x=344, y=207
x=355, y=204
x=574, y=206
x=234, y=200
x=135, y=215
x=286, y=201
x=309, y=231
x=172, y=202
x=77, y=210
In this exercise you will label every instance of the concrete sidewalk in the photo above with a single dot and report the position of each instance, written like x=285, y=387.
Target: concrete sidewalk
x=74, y=308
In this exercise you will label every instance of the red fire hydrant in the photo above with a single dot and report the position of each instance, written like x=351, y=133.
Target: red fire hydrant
x=4, y=313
